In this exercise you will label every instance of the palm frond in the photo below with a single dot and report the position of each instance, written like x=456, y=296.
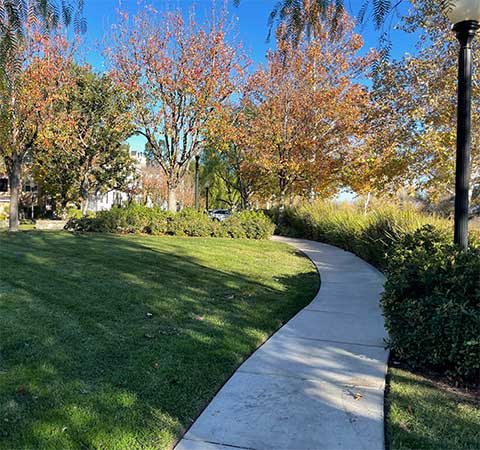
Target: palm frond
x=43, y=15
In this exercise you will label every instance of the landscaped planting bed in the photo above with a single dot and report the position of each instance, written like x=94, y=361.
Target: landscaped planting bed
x=188, y=222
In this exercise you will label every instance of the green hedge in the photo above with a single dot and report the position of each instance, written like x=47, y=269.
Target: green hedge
x=431, y=301
x=188, y=222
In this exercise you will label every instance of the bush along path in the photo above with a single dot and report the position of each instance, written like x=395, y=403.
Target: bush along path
x=318, y=383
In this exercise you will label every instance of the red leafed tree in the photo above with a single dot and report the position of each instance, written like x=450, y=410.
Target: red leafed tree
x=179, y=75
x=31, y=80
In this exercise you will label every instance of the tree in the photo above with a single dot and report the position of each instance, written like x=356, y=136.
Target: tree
x=379, y=162
x=21, y=23
x=178, y=75
x=422, y=92
x=27, y=98
x=151, y=185
x=302, y=147
x=82, y=151
x=228, y=157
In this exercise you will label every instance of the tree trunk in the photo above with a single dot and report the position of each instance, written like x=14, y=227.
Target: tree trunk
x=84, y=195
x=367, y=202
x=15, y=187
x=281, y=207
x=85, y=206
x=172, y=198
x=311, y=195
x=292, y=196
x=244, y=200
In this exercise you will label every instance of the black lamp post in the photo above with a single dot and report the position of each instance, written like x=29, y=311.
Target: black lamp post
x=465, y=15
x=207, y=194
x=197, y=205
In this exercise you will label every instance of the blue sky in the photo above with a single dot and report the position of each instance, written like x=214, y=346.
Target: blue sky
x=251, y=23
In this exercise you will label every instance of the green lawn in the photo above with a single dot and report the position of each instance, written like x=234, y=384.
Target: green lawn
x=424, y=414
x=119, y=342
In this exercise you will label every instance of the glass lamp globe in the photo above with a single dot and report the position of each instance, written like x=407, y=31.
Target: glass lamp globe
x=462, y=10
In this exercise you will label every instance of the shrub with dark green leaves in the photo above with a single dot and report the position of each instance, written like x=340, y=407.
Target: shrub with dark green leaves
x=249, y=224
x=84, y=224
x=188, y=222
x=432, y=303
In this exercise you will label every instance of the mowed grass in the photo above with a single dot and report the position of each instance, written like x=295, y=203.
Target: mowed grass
x=424, y=414
x=119, y=342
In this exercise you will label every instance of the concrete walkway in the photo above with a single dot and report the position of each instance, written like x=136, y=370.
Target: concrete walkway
x=316, y=384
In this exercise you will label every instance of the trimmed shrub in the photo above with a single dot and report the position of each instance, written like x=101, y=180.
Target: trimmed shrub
x=188, y=222
x=249, y=224
x=74, y=213
x=432, y=303
x=159, y=223
x=84, y=224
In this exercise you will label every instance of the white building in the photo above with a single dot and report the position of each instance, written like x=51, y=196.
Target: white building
x=103, y=202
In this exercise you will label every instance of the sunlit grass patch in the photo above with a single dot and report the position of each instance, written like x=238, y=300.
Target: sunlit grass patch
x=424, y=414
x=119, y=342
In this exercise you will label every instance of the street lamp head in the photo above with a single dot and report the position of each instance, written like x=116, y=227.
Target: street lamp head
x=462, y=10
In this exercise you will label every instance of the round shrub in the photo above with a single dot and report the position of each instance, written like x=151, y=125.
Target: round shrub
x=250, y=225
x=431, y=303
x=133, y=219
x=159, y=222
x=74, y=213
x=219, y=230
x=190, y=222
x=84, y=224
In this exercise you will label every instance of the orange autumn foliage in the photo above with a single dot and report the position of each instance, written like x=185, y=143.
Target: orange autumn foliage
x=307, y=109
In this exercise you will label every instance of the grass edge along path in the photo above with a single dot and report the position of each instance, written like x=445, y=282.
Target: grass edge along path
x=423, y=412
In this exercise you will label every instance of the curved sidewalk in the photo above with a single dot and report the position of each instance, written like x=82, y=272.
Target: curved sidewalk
x=316, y=384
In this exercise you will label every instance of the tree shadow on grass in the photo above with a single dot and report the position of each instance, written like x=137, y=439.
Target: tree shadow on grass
x=118, y=343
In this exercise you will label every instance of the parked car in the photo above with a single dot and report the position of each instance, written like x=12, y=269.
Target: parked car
x=219, y=214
